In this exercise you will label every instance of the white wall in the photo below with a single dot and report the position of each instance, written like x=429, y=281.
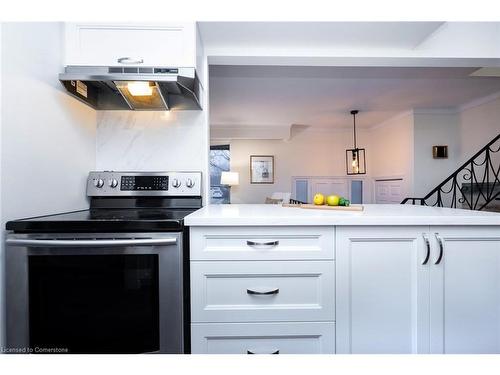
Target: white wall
x=391, y=145
x=432, y=129
x=403, y=145
x=479, y=123
x=48, y=138
x=307, y=153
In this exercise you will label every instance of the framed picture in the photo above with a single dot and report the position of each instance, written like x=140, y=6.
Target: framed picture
x=261, y=169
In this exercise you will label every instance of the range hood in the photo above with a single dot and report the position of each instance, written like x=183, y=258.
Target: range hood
x=133, y=88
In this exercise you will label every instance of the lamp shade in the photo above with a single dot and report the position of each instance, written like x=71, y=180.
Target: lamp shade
x=230, y=178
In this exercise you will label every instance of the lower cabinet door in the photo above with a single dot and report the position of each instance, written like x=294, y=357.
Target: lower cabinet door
x=382, y=295
x=263, y=338
x=465, y=290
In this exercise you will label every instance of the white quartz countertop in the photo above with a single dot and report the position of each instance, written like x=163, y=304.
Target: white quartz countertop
x=373, y=214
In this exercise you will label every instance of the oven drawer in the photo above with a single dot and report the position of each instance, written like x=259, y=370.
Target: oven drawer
x=263, y=338
x=262, y=291
x=262, y=243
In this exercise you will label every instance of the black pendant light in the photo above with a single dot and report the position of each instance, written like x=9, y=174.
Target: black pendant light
x=355, y=161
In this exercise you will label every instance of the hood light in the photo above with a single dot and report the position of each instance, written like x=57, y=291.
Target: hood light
x=140, y=88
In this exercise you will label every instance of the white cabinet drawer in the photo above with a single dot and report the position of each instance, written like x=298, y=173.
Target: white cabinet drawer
x=263, y=338
x=262, y=243
x=165, y=44
x=262, y=291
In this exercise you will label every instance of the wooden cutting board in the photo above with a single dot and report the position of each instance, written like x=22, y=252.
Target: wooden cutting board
x=325, y=207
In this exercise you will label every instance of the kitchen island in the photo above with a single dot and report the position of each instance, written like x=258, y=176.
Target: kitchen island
x=389, y=279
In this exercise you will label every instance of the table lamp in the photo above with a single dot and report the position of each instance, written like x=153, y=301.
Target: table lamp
x=230, y=179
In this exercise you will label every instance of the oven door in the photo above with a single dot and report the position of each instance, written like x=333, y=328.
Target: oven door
x=94, y=293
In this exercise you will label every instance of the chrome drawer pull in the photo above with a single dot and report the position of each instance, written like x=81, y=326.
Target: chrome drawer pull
x=266, y=293
x=275, y=352
x=266, y=244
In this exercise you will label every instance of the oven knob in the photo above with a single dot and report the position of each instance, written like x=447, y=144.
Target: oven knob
x=189, y=183
x=98, y=183
x=176, y=183
x=113, y=183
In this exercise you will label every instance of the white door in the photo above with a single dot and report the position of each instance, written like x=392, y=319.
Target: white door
x=389, y=191
x=300, y=189
x=465, y=290
x=327, y=186
x=382, y=293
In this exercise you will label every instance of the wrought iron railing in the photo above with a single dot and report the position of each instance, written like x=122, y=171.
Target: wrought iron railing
x=295, y=201
x=474, y=185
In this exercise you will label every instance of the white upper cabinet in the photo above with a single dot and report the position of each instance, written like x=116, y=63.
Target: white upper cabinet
x=465, y=290
x=140, y=44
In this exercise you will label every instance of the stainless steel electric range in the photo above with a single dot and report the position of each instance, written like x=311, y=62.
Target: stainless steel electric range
x=110, y=279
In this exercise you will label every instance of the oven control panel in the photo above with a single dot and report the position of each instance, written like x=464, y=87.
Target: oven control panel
x=111, y=183
x=143, y=183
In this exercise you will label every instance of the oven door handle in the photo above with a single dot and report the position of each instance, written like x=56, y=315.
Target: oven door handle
x=91, y=243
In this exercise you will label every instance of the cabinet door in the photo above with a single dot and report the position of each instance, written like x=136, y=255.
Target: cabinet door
x=382, y=294
x=164, y=44
x=465, y=290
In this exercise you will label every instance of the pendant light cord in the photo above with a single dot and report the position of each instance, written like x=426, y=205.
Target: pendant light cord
x=353, y=113
x=355, y=131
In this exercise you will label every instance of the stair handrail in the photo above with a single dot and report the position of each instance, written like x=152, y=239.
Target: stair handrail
x=437, y=189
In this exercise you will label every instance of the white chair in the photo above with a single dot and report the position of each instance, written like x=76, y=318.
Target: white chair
x=280, y=195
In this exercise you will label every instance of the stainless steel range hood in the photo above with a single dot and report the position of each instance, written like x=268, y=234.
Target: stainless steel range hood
x=133, y=88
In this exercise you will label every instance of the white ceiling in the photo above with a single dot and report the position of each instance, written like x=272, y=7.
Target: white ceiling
x=323, y=96
x=319, y=34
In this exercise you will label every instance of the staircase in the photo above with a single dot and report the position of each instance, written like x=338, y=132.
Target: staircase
x=475, y=185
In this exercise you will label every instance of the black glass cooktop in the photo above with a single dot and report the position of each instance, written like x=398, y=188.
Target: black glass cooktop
x=105, y=220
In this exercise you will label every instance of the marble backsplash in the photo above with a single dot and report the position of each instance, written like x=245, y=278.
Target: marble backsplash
x=151, y=141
